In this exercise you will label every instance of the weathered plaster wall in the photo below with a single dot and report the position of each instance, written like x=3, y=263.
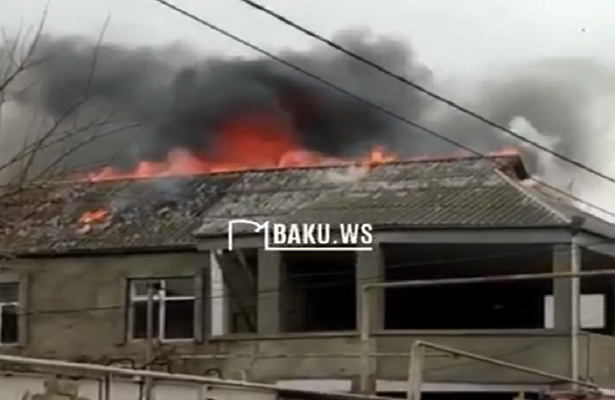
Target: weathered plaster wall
x=537, y=349
x=74, y=306
x=74, y=312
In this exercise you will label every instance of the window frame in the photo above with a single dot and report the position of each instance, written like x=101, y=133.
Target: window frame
x=17, y=305
x=161, y=298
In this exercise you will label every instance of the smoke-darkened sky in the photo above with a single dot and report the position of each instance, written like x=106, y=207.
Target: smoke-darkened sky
x=182, y=99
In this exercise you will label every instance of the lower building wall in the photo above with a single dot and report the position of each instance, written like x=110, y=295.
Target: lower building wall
x=336, y=356
x=388, y=386
x=22, y=387
x=546, y=352
x=601, y=355
x=55, y=310
x=321, y=357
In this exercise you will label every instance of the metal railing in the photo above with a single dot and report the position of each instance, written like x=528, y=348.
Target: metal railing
x=109, y=371
x=365, y=319
x=416, y=367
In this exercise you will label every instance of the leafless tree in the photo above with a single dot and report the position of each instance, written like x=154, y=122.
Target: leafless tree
x=37, y=152
x=39, y=148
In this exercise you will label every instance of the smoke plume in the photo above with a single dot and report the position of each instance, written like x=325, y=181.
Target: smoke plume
x=185, y=103
x=176, y=99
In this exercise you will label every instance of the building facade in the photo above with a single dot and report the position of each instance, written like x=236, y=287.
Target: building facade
x=78, y=290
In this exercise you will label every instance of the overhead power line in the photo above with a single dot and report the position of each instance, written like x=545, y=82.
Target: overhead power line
x=363, y=100
x=424, y=90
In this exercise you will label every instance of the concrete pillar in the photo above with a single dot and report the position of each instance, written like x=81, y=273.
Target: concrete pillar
x=610, y=307
x=271, y=311
x=370, y=269
x=219, y=320
x=566, y=301
x=562, y=288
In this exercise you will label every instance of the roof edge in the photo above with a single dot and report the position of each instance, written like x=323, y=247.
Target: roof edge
x=386, y=228
x=549, y=207
x=513, y=165
x=512, y=161
x=106, y=251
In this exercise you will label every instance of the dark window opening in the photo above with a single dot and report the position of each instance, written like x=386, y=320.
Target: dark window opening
x=179, y=310
x=10, y=328
x=9, y=303
x=502, y=305
x=320, y=292
x=139, y=330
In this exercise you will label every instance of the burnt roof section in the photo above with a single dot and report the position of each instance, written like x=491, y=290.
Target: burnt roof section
x=138, y=215
x=148, y=215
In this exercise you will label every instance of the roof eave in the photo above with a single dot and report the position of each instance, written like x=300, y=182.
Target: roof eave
x=105, y=251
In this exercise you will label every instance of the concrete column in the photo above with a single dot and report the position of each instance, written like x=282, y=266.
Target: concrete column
x=370, y=269
x=219, y=321
x=271, y=311
x=566, y=301
x=239, y=284
x=610, y=307
x=562, y=288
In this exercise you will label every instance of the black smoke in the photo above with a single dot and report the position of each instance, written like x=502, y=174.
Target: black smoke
x=180, y=100
x=173, y=98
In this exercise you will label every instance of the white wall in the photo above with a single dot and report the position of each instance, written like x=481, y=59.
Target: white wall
x=592, y=310
x=14, y=387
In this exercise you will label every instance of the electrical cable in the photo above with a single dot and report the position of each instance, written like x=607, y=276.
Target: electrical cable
x=422, y=89
x=363, y=100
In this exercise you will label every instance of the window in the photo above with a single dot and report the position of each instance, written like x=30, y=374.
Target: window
x=9, y=303
x=173, y=301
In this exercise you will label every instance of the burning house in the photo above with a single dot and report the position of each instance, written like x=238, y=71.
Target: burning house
x=85, y=252
x=246, y=140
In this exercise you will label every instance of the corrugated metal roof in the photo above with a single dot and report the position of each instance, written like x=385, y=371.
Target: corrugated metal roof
x=457, y=192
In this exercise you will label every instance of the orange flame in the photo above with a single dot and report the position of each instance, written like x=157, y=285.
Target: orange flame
x=375, y=157
x=90, y=217
x=505, y=152
x=251, y=142
x=248, y=143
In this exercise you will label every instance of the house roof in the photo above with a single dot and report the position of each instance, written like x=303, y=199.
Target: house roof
x=445, y=193
x=166, y=212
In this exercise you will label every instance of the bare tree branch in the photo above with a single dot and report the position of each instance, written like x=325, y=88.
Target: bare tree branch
x=38, y=153
x=18, y=64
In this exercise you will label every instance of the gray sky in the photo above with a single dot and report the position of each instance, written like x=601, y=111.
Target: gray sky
x=452, y=37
